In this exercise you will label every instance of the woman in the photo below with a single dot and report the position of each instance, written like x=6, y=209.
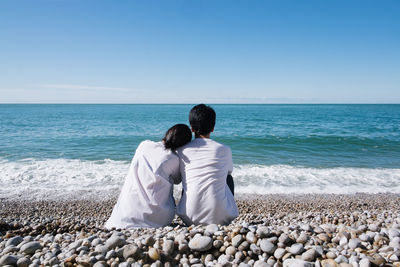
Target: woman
x=146, y=198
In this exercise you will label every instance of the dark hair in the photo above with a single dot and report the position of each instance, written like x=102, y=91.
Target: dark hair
x=202, y=119
x=176, y=136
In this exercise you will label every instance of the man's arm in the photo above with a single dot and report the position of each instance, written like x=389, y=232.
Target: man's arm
x=231, y=185
x=229, y=178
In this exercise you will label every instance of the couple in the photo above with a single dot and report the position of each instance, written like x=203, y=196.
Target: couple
x=202, y=165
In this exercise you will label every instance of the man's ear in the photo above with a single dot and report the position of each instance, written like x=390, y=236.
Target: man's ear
x=212, y=129
x=192, y=129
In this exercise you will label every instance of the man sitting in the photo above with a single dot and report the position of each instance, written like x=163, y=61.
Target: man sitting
x=204, y=166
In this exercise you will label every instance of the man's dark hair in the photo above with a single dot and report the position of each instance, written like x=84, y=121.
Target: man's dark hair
x=177, y=136
x=202, y=119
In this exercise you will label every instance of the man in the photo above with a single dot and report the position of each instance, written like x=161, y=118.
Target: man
x=205, y=165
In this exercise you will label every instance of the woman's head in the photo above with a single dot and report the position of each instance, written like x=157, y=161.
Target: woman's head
x=177, y=136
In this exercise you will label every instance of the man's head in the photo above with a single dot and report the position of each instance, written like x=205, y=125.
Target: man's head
x=202, y=119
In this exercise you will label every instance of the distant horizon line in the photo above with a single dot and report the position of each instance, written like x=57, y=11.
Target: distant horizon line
x=192, y=103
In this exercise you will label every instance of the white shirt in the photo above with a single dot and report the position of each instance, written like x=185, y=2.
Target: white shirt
x=207, y=199
x=146, y=198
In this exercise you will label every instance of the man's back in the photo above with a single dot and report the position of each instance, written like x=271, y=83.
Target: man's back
x=204, y=166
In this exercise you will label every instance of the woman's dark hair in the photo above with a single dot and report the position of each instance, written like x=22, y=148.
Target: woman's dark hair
x=202, y=119
x=177, y=136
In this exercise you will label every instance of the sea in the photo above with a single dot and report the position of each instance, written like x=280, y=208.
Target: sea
x=57, y=150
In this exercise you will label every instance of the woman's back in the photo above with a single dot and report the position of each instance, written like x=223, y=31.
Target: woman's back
x=146, y=198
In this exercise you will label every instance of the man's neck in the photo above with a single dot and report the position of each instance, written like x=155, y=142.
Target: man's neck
x=202, y=136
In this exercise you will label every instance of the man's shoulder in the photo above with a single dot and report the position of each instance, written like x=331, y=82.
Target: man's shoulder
x=200, y=143
x=220, y=147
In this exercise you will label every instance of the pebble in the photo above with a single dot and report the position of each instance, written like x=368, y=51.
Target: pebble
x=331, y=255
x=279, y=253
x=110, y=254
x=297, y=263
x=23, y=262
x=262, y=231
x=377, y=260
x=236, y=240
x=115, y=241
x=341, y=259
x=251, y=238
x=211, y=229
x=364, y=262
x=309, y=255
x=284, y=239
x=14, y=241
x=149, y=240
x=244, y=246
x=343, y=241
x=8, y=260
x=303, y=238
x=10, y=249
x=154, y=254
x=261, y=263
x=354, y=243
x=231, y=250
x=168, y=247
x=217, y=244
x=267, y=246
x=201, y=243
x=255, y=249
x=329, y=263
x=296, y=249
x=31, y=247
x=224, y=259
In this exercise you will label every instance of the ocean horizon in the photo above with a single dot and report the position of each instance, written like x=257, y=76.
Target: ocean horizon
x=277, y=148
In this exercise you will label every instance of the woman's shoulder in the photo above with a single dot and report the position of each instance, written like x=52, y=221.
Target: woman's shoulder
x=150, y=147
x=149, y=144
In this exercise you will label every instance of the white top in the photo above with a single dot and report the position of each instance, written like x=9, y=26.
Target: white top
x=146, y=198
x=207, y=199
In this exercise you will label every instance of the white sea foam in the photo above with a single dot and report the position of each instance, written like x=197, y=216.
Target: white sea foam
x=63, y=178
x=288, y=179
x=60, y=178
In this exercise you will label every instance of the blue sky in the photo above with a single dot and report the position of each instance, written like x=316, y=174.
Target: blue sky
x=86, y=51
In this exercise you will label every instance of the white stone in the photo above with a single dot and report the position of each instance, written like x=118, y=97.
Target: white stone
x=267, y=246
x=354, y=243
x=364, y=263
x=255, y=249
x=168, y=247
x=296, y=249
x=8, y=260
x=115, y=241
x=309, y=255
x=251, y=238
x=343, y=241
x=31, y=247
x=14, y=241
x=262, y=231
x=201, y=243
x=297, y=263
x=236, y=240
x=211, y=229
x=279, y=252
x=261, y=263
x=341, y=259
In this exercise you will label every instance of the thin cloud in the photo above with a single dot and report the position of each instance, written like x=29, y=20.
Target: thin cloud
x=86, y=87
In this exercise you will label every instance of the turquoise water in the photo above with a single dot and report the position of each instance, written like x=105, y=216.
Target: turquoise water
x=271, y=144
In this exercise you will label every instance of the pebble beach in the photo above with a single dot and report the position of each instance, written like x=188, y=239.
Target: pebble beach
x=271, y=230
